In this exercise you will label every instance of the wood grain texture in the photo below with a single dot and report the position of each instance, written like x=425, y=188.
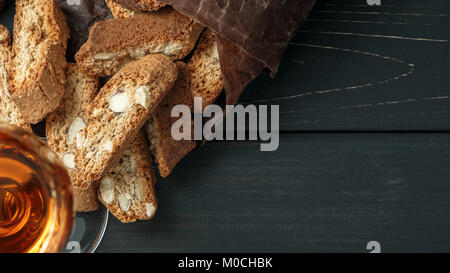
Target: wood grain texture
x=317, y=193
x=355, y=67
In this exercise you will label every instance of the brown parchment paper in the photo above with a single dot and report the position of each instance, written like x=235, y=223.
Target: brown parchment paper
x=253, y=34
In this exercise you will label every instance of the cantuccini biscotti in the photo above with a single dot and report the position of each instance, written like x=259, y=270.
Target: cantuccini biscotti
x=39, y=63
x=133, y=171
x=127, y=189
x=119, y=11
x=204, y=69
x=140, y=5
x=9, y=112
x=116, y=42
x=63, y=125
x=166, y=150
x=118, y=112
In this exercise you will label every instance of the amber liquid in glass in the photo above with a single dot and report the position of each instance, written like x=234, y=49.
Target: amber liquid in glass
x=32, y=218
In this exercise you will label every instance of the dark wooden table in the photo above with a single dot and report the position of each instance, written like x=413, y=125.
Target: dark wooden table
x=364, y=95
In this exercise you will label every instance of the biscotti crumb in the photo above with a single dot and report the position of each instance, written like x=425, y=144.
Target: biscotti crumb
x=133, y=173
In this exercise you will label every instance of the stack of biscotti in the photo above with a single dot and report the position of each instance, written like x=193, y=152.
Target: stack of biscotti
x=9, y=113
x=106, y=136
x=39, y=63
x=157, y=59
x=132, y=177
x=201, y=78
x=112, y=148
x=119, y=111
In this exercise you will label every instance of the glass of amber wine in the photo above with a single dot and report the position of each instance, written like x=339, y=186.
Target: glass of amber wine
x=36, y=210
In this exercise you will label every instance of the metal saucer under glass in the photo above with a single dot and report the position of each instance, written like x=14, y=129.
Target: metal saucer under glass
x=88, y=231
x=89, y=227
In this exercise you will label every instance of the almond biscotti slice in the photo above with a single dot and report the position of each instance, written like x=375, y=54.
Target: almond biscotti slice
x=204, y=70
x=118, y=113
x=63, y=125
x=9, y=112
x=127, y=189
x=116, y=42
x=165, y=149
x=39, y=63
x=140, y=5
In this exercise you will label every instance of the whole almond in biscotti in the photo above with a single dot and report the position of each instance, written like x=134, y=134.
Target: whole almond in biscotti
x=166, y=150
x=9, y=112
x=116, y=42
x=204, y=69
x=39, y=63
x=63, y=125
x=118, y=113
x=127, y=189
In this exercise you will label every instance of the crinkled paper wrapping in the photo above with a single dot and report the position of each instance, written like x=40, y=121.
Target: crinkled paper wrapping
x=252, y=34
